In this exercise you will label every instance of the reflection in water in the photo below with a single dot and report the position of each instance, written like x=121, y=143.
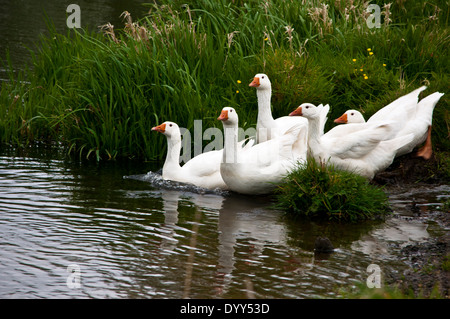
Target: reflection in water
x=376, y=242
x=242, y=216
x=136, y=237
x=170, y=209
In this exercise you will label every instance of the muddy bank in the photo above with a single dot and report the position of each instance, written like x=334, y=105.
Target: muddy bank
x=429, y=262
x=409, y=169
x=428, y=273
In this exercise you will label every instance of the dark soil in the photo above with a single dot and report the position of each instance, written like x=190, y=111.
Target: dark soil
x=409, y=168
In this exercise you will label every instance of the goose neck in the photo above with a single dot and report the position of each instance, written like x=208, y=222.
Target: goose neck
x=264, y=110
x=173, y=154
x=230, y=147
x=314, y=129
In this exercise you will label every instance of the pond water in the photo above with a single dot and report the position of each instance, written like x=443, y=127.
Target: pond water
x=23, y=21
x=125, y=233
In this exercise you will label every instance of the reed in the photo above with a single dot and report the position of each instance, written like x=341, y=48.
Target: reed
x=98, y=93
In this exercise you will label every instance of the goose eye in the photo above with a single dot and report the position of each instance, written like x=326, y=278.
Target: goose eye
x=170, y=125
x=307, y=107
x=352, y=114
x=262, y=77
x=231, y=110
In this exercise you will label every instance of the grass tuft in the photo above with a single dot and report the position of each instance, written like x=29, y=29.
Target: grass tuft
x=318, y=191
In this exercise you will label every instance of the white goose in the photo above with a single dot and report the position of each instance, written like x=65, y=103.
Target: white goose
x=340, y=129
x=266, y=126
x=256, y=170
x=410, y=116
x=399, y=107
x=362, y=151
x=203, y=170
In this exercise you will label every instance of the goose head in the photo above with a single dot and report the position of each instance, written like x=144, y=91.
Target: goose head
x=261, y=82
x=169, y=129
x=307, y=110
x=228, y=116
x=350, y=116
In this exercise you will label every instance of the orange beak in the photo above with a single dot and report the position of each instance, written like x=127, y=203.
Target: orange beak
x=255, y=82
x=297, y=112
x=160, y=128
x=342, y=119
x=223, y=115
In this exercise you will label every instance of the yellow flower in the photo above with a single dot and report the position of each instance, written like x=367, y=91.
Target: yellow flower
x=366, y=77
x=354, y=60
x=266, y=39
x=369, y=49
x=384, y=64
x=239, y=81
x=237, y=91
x=361, y=70
x=370, y=53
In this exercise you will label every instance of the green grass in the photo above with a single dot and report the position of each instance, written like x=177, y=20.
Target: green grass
x=318, y=191
x=99, y=94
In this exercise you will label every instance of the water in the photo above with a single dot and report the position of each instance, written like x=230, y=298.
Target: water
x=139, y=237
x=23, y=21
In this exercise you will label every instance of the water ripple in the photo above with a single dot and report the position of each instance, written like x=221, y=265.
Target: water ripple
x=155, y=179
x=139, y=236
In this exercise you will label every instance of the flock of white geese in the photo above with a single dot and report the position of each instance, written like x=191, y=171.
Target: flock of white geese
x=256, y=165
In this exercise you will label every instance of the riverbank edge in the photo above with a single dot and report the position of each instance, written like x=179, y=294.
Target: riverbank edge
x=428, y=275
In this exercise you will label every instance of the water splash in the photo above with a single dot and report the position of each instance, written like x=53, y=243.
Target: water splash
x=156, y=180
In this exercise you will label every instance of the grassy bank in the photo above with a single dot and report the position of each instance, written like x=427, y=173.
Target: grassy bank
x=98, y=94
